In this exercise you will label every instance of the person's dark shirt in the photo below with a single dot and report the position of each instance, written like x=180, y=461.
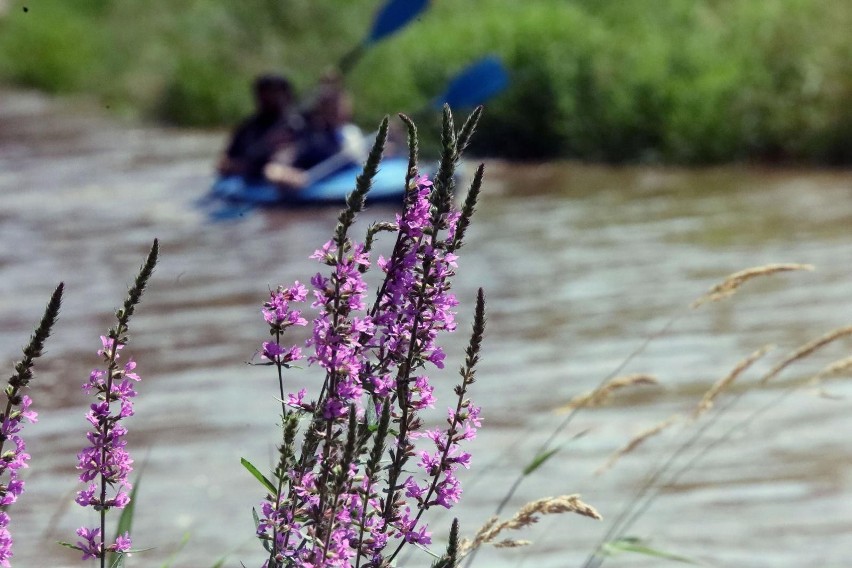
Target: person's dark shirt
x=316, y=146
x=257, y=139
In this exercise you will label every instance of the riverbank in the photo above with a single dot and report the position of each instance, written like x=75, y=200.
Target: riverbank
x=652, y=81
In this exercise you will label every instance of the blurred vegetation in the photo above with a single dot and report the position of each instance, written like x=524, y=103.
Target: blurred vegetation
x=691, y=81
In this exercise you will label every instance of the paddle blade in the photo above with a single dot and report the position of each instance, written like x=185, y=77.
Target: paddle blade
x=393, y=16
x=475, y=84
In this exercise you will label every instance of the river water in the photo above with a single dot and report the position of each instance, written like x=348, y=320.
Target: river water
x=580, y=265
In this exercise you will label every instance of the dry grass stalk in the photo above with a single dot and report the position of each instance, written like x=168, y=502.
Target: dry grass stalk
x=722, y=384
x=526, y=516
x=806, y=350
x=637, y=441
x=509, y=543
x=822, y=393
x=599, y=396
x=730, y=284
x=835, y=368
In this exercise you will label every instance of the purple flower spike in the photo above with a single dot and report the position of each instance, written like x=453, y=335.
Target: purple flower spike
x=90, y=546
x=13, y=456
x=348, y=489
x=280, y=316
x=105, y=464
x=123, y=543
x=5, y=541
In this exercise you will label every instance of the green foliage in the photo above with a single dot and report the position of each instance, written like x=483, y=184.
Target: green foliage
x=698, y=81
x=702, y=81
x=51, y=47
x=200, y=94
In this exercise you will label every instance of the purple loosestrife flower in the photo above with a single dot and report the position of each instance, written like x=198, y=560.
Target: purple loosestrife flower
x=440, y=465
x=14, y=457
x=277, y=312
x=5, y=541
x=12, y=461
x=276, y=523
x=91, y=543
x=414, y=309
x=343, y=499
x=104, y=463
x=416, y=306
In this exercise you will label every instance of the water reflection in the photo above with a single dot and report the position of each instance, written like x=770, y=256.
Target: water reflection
x=580, y=264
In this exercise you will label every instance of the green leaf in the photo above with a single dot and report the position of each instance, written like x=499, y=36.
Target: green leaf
x=255, y=517
x=125, y=521
x=539, y=460
x=259, y=476
x=372, y=418
x=637, y=546
x=69, y=545
x=266, y=544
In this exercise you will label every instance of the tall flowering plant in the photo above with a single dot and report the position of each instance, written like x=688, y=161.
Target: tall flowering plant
x=104, y=463
x=353, y=489
x=15, y=457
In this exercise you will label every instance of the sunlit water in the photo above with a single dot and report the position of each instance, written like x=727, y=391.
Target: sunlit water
x=580, y=265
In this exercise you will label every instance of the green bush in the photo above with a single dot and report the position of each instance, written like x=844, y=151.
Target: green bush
x=51, y=47
x=653, y=80
x=200, y=94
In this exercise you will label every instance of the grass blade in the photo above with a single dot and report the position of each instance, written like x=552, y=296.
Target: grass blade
x=268, y=485
x=539, y=460
x=637, y=546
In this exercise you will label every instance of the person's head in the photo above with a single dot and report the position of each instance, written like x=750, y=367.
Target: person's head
x=332, y=107
x=272, y=94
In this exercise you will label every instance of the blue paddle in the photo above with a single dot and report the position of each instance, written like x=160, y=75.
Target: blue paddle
x=391, y=17
x=475, y=84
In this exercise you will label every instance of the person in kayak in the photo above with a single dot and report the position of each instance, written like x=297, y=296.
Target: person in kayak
x=330, y=142
x=273, y=126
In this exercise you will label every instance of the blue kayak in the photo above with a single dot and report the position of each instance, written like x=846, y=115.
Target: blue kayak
x=388, y=185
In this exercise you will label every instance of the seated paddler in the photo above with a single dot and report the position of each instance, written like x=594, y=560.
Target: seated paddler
x=274, y=126
x=329, y=142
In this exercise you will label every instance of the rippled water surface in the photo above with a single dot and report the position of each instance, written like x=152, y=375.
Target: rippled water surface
x=580, y=265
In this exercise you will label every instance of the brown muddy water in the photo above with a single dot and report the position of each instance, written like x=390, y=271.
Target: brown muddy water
x=580, y=264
